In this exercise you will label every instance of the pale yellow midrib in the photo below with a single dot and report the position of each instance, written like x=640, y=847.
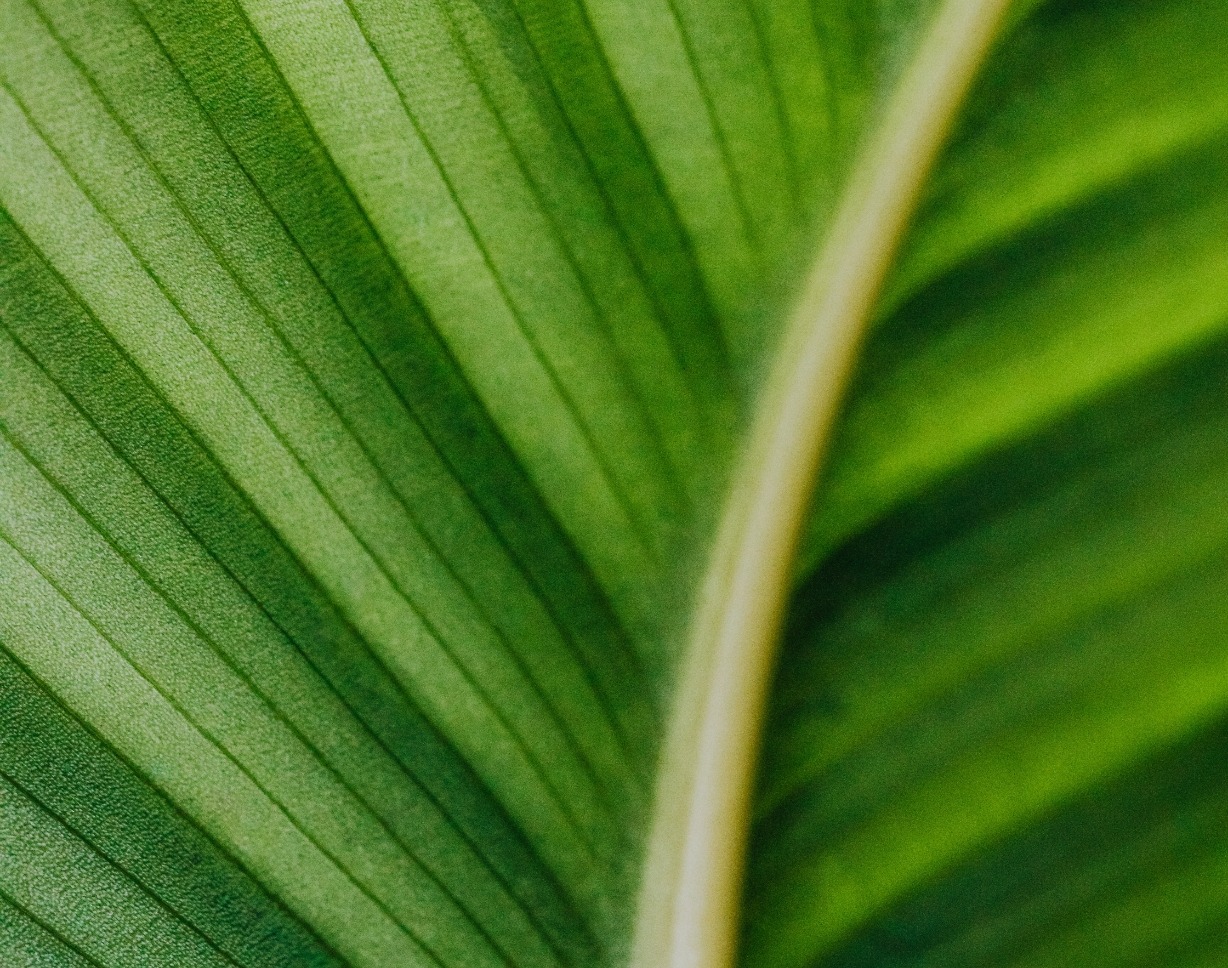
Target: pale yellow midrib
x=688, y=906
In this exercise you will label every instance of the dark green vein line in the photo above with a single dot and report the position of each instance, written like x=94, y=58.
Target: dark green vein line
x=107, y=859
x=538, y=769
x=573, y=551
x=151, y=582
x=188, y=820
x=749, y=231
x=654, y=169
x=396, y=682
x=273, y=327
x=642, y=532
x=224, y=751
x=50, y=929
x=616, y=224
x=564, y=632
x=602, y=316
x=323, y=680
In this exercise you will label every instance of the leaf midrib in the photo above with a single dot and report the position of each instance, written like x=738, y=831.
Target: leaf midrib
x=689, y=897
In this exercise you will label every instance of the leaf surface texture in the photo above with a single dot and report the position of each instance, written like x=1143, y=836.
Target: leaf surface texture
x=371, y=373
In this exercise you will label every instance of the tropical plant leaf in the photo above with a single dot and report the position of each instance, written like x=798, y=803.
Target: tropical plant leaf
x=373, y=375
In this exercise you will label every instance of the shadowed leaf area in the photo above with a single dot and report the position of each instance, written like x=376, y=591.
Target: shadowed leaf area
x=371, y=373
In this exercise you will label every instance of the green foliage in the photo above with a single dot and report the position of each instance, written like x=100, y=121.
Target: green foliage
x=370, y=375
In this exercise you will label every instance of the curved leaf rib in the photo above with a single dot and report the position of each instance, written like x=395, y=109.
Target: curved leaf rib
x=689, y=898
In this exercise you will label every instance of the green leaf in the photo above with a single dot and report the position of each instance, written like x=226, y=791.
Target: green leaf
x=408, y=413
